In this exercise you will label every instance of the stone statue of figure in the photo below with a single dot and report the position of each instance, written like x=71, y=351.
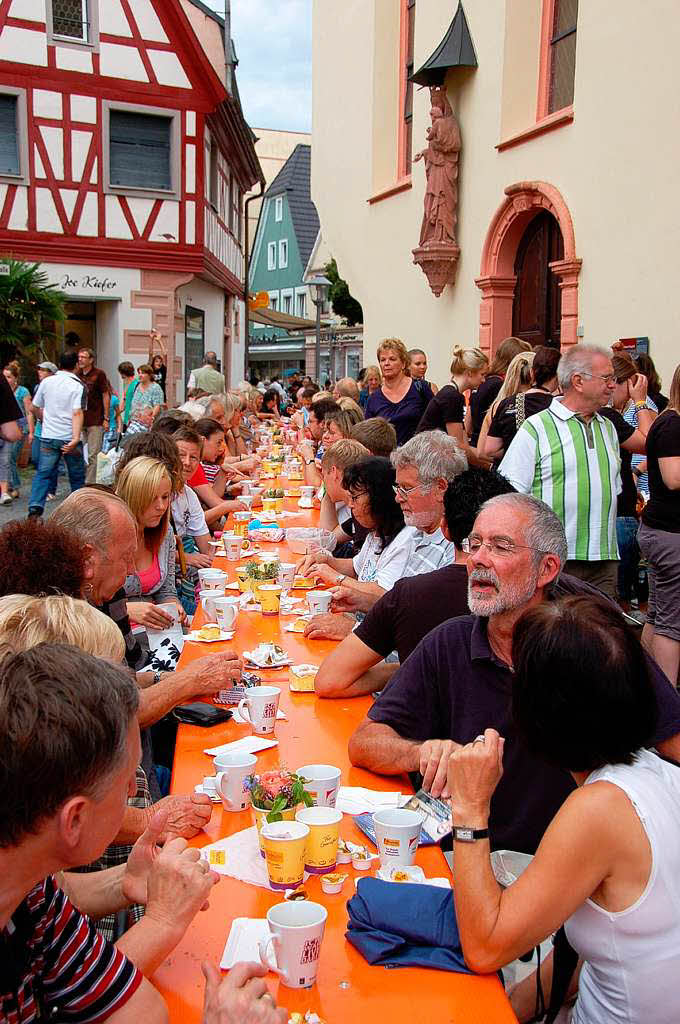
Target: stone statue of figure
x=441, y=169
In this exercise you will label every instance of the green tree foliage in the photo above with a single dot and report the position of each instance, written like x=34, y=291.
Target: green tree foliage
x=342, y=302
x=29, y=307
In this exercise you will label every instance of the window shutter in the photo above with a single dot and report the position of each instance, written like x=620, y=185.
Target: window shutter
x=140, y=150
x=9, y=149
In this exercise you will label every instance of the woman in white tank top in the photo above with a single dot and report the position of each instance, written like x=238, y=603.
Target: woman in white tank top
x=608, y=866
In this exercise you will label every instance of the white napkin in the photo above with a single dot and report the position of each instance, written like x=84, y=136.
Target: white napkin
x=247, y=745
x=239, y=856
x=356, y=800
x=240, y=720
x=243, y=944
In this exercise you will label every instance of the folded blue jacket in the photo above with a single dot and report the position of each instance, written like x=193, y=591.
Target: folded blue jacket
x=405, y=925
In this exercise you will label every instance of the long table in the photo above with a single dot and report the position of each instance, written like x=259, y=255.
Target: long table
x=347, y=988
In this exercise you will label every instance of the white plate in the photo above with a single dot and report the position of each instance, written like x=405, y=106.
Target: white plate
x=254, y=664
x=196, y=639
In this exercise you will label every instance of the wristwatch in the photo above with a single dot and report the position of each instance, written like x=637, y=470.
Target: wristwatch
x=340, y=577
x=463, y=834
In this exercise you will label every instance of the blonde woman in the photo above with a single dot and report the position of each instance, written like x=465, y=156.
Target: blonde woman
x=371, y=381
x=400, y=400
x=352, y=408
x=481, y=399
x=447, y=410
x=146, y=488
x=517, y=381
x=27, y=621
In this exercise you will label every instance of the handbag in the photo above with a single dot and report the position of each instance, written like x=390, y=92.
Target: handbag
x=24, y=454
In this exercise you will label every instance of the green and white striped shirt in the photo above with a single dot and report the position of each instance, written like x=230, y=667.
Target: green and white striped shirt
x=575, y=468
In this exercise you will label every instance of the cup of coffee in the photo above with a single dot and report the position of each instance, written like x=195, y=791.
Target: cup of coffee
x=319, y=601
x=259, y=708
x=269, y=595
x=297, y=933
x=233, y=543
x=307, y=494
x=286, y=576
x=284, y=844
x=235, y=768
x=212, y=577
x=322, y=783
x=226, y=610
x=324, y=831
x=244, y=582
x=397, y=832
x=208, y=600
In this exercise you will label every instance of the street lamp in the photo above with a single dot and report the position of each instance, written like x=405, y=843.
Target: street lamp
x=318, y=287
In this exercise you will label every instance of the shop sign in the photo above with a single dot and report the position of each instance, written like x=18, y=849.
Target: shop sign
x=89, y=282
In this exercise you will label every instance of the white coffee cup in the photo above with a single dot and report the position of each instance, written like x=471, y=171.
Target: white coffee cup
x=259, y=708
x=323, y=782
x=226, y=610
x=246, y=487
x=397, y=832
x=307, y=492
x=212, y=579
x=208, y=599
x=319, y=601
x=229, y=783
x=232, y=546
x=297, y=933
x=286, y=576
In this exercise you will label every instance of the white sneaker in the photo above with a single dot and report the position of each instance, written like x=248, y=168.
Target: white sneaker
x=6, y=499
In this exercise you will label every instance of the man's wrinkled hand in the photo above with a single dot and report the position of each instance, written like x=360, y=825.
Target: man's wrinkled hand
x=142, y=857
x=434, y=765
x=240, y=998
x=187, y=815
x=178, y=886
x=215, y=672
x=329, y=627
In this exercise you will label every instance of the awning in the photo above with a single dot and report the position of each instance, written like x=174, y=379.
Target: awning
x=456, y=50
x=275, y=318
x=289, y=350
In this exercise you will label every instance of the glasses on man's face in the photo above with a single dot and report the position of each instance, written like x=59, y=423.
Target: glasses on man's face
x=403, y=492
x=608, y=378
x=501, y=546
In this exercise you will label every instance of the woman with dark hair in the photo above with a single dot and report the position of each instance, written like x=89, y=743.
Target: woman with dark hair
x=160, y=372
x=645, y=365
x=270, y=406
x=608, y=866
x=384, y=554
x=510, y=412
x=486, y=393
x=28, y=543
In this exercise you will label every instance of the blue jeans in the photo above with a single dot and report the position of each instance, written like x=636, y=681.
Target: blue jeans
x=50, y=454
x=629, y=553
x=14, y=453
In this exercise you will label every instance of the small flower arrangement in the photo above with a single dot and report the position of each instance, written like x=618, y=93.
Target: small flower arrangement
x=262, y=572
x=273, y=492
x=277, y=791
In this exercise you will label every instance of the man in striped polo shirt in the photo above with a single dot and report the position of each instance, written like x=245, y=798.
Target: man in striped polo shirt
x=568, y=456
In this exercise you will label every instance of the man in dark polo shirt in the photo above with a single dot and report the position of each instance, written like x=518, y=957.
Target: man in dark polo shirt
x=415, y=604
x=97, y=411
x=458, y=681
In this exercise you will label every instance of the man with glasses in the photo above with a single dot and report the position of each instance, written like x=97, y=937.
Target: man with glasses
x=458, y=680
x=569, y=456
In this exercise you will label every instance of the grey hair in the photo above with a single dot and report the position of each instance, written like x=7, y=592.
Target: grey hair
x=86, y=513
x=578, y=359
x=434, y=454
x=230, y=403
x=545, y=534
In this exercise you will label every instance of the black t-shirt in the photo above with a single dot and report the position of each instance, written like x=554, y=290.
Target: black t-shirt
x=447, y=406
x=627, y=499
x=662, y=511
x=454, y=687
x=9, y=407
x=504, y=421
x=414, y=606
x=480, y=401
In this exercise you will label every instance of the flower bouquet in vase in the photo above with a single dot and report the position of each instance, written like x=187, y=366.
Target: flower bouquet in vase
x=276, y=796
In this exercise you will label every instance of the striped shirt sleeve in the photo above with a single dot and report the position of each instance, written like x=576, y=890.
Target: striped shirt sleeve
x=85, y=979
x=519, y=462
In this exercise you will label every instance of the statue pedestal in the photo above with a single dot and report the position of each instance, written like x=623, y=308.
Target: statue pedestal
x=438, y=261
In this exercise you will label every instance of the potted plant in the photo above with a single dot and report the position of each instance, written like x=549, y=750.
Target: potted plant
x=276, y=796
x=262, y=572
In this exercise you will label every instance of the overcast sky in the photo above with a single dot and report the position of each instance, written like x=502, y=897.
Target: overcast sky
x=274, y=49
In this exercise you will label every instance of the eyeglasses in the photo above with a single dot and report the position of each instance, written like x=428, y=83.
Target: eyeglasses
x=496, y=545
x=608, y=378
x=355, y=497
x=404, y=491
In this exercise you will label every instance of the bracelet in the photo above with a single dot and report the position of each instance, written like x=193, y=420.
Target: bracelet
x=640, y=405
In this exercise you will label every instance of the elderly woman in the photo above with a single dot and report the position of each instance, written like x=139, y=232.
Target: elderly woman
x=371, y=382
x=146, y=401
x=608, y=866
x=384, y=554
x=400, y=400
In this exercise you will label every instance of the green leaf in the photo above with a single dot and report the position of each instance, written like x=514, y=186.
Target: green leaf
x=274, y=816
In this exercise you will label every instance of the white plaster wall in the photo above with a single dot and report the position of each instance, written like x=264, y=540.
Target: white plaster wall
x=23, y=46
x=168, y=68
x=47, y=104
x=84, y=109
x=28, y=10
x=209, y=298
x=615, y=167
x=147, y=21
x=18, y=220
x=54, y=144
x=70, y=59
x=118, y=61
x=112, y=19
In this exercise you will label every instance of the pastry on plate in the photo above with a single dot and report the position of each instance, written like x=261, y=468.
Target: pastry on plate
x=209, y=632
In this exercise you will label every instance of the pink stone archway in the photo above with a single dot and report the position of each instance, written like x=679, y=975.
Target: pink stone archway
x=497, y=278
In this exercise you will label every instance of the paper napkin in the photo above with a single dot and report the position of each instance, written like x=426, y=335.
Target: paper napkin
x=247, y=745
x=355, y=799
x=243, y=944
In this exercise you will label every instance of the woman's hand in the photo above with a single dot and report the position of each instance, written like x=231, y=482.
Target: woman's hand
x=323, y=573
x=149, y=615
x=473, y=774
x=312, y=559
x=198, y=560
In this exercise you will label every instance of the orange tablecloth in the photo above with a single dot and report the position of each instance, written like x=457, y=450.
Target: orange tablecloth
x=347, y=988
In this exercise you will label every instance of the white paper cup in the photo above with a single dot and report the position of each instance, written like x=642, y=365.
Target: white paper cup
x=208, y=599
x=323, y=784
x=307, y=492
x=210, y=573
x=259, y=708
x=214, y=579
x=397, y=832
x=297, y=933
x=226, y=610
x=232, y=546
x=319, y=601
x=229, y=783
x=286, y=576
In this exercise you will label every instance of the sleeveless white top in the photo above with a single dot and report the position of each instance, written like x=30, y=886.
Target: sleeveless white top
x=632, y=969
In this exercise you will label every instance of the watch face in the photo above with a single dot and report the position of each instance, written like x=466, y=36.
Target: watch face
x=464, y=835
